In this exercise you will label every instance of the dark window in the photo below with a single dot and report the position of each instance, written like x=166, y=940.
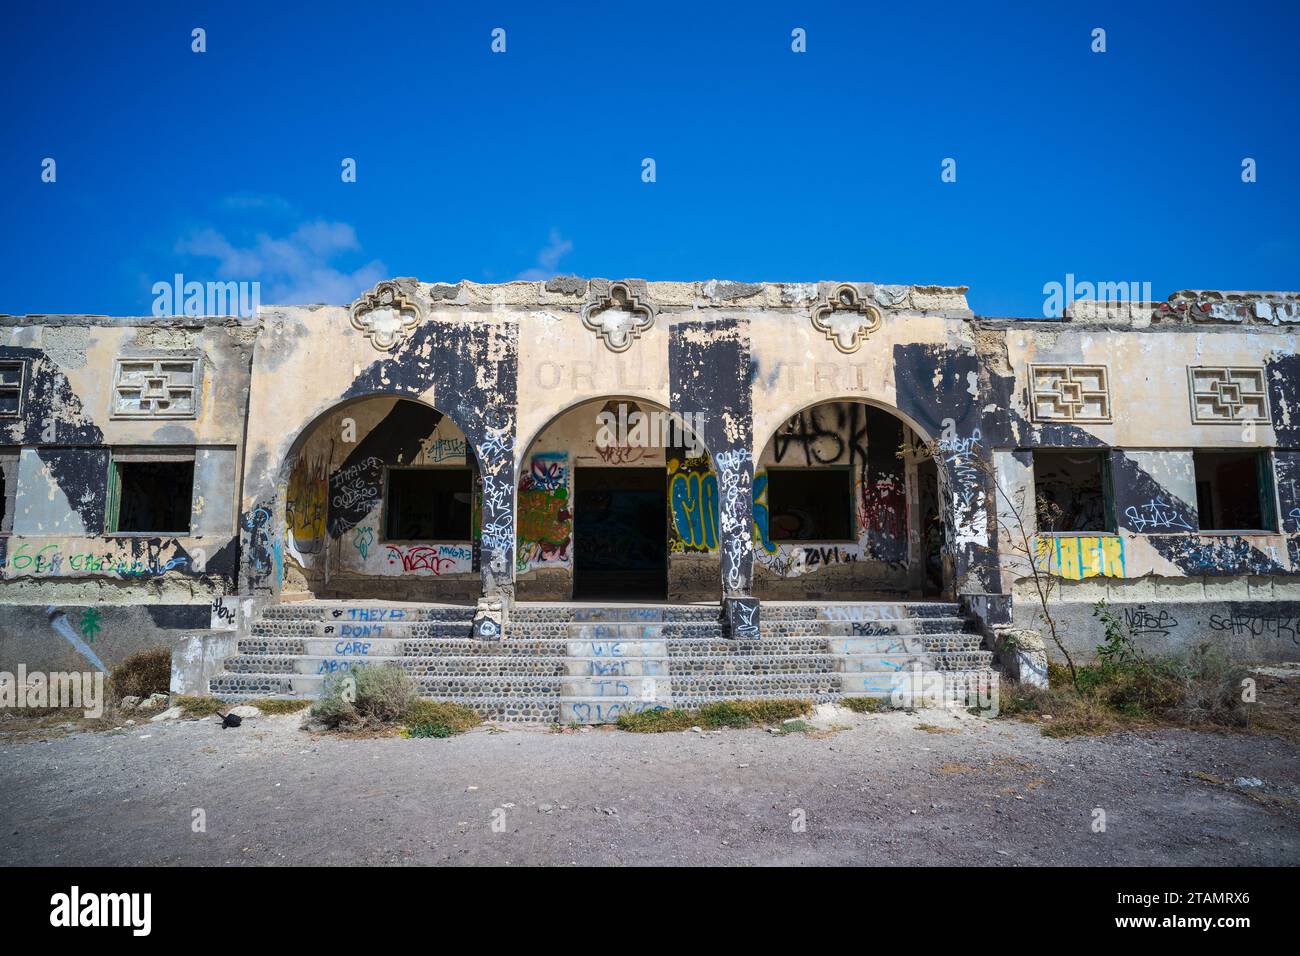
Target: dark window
x=813, y=504
x=1072, y=492
x=8, y=489
x=11, y=388
x=153, y=497
x=429, y=504
x=1234, y=491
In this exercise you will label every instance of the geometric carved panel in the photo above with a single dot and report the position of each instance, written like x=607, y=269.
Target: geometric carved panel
x=1222, y=394
x=1069, y=393
x=155, y=388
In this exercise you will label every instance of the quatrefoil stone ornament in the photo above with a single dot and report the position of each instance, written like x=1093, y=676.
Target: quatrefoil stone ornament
x=618, y=317
x=845, y=319
x=385, y=315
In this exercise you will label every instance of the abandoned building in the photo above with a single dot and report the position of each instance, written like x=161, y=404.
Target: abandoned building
x=571, y=498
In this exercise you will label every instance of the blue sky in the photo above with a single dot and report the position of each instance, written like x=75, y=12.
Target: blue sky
x=1122, y=166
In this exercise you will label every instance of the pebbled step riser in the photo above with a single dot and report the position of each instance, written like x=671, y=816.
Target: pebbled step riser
x=630, y=688
x=912, y=626
x=366, y=614
x=415, y=666
x=333, y=630
x=615, y=649
x=602, y=710
x=616, y=667
x=787, y=685
x=848, y=612
x=882, y=664
x=428, y=685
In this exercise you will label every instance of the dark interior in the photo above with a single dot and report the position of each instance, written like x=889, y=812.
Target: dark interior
x=428, y=504
x=1232, y=492
x=620, y=528
x=1070, y=492
x=813, y=504
x=154, y=497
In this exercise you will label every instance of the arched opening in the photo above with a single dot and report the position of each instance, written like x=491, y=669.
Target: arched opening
x=848, y=505
x=381, y=498
x=615, y=502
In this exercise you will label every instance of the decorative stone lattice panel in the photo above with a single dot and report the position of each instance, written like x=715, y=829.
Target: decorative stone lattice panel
x=1070, y=393
x=618, y=317
x=386, y=315
x=1221, y=394
x=155, y=388
x=845, y=319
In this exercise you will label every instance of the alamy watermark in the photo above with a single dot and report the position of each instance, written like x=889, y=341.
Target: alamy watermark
x=630, y=427
x=1109, y=297
x=72, y=690
x=75, y=908
x=206, y=299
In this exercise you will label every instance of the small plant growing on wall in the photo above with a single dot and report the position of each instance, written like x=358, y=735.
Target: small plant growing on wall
x=1117, y=648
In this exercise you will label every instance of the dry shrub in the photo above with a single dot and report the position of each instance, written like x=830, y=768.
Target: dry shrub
x=142, y=674
x=380, y=695
x=436, y=718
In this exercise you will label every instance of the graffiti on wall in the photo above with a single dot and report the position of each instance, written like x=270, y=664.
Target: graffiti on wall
x=545, y=518
x=969, y=512
x=224, y=614
x=762, y=536
x=1271, y=623
x=1158, y=514
x=263, y=548
x=1078, y=557
x=837, y=434
x=85, y=557
x=830, y=434
x=354, y=490
x=363, y=536
x=735, y=491
x=693, y=501
x=428, y=559
x=439, y=449
x=497, y=533
x=305, y=505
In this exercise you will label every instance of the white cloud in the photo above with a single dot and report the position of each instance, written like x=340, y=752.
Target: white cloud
x=295, y=269
x=556, y=248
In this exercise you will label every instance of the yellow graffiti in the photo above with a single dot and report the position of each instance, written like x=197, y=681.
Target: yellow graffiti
x=305, y=506
x=1077, y=558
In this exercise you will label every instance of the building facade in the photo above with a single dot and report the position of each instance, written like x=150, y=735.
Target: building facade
x=166, y=479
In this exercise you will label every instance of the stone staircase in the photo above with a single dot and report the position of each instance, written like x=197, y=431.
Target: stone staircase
x=570, y=663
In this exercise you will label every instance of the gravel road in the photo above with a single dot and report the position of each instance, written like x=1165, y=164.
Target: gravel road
x=895, y=788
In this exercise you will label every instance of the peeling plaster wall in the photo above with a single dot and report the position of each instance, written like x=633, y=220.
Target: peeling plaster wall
x=1156, y=554
x=122, y=592
x=496, y=367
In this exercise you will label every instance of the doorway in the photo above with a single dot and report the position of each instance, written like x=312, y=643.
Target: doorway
x=620, y=531
x=932, y=529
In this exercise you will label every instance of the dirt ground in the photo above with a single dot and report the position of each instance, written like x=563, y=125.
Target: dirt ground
x=932, y=787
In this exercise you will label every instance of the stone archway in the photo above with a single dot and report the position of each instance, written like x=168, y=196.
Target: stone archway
x=849, y=503
x=380, y=497
x=613, y=502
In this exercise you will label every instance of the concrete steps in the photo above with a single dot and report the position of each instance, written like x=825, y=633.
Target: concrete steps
x=615, y=667
x=591, y=664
